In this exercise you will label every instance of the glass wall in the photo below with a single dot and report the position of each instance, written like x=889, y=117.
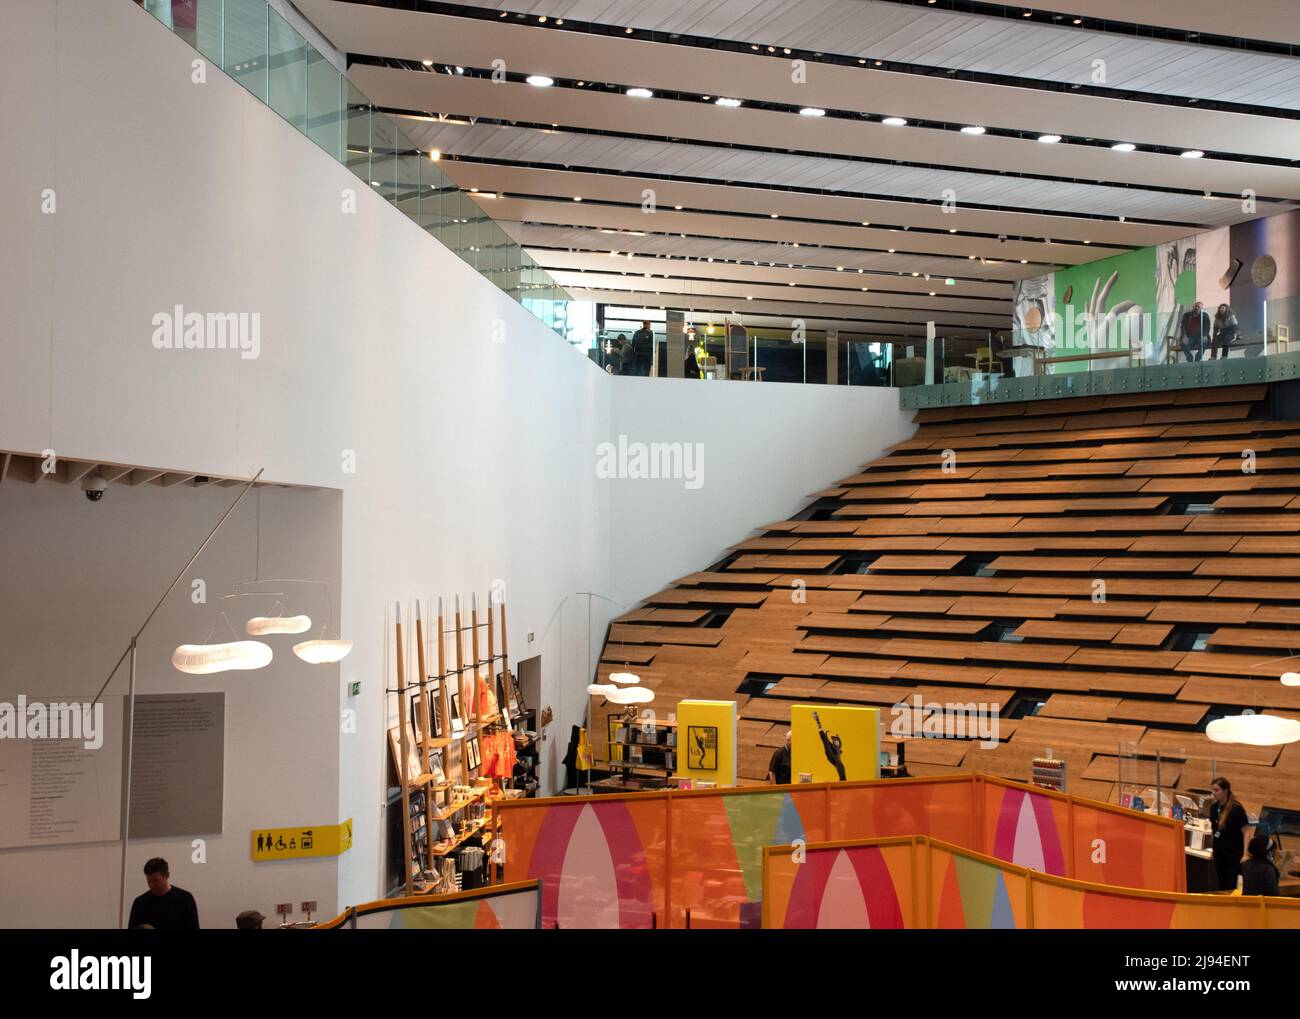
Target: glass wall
x=258, y=48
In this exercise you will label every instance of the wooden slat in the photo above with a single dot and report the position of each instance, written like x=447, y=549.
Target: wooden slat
x=1097, y=709
x=1158, y=712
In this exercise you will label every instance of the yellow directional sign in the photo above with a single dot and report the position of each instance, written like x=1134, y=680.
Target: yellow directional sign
x=296, y=843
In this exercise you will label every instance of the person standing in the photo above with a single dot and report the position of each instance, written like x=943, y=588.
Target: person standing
x=779, y=768
x=1194, y=331
x=1225, y=332
x=164, y=906
x=1229, y=822
x=643, y=346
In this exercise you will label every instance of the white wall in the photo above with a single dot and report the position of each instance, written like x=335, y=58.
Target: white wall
x=80, y=578
x=474, y=459
x=765, y=446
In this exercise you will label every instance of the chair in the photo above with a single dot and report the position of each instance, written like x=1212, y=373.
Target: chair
x=984, y=359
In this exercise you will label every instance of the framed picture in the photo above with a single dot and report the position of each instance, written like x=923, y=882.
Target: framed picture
x=436, y=722
x=416, y=729
x=412, y=756
x=435, y=767
x=472, y=756
x=457, y=719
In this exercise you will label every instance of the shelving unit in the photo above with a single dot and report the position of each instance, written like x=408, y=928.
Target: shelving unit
x=436, y=751
x=657, y=743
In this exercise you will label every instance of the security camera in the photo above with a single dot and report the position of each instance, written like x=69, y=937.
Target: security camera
x=94, y=486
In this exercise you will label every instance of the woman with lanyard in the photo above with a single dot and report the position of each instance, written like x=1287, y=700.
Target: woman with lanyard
x=1229, y=821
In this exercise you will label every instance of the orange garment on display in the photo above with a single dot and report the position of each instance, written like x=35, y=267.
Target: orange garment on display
x=487, y=700
x=498, y=754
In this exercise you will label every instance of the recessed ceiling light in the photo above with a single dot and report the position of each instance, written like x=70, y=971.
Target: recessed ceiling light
x=1123, y=146
x=787, y=51
x=542, y=19
x=427, y=63
x=791, y=284
x=972, y=129
x=1078, y=21
x=771, y=49
x=723, y=101
x=374, y=183
x=1192, y=154
x=753, y=46
x=916, y=274
x=677, y=207
x=474, y=190
x=1087, y=242
x=540, y=81
x=931, y=293
x=863, y=60
x=577, y=198
x=640, y=93
x=776, y=215
x=866, y=222
x=880, y=63
x=839, y=268
x=1024, y=261
x=627, y=31
x=1049, y=139
x=435, y=154
x=1027, y=14
x=812, y=111
x=894, y=122
x=559, y=21
x=891, y=250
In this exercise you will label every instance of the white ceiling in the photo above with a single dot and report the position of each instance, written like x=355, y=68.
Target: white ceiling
x=761, y=190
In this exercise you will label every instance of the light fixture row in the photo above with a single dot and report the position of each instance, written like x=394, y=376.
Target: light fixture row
x=638, y=92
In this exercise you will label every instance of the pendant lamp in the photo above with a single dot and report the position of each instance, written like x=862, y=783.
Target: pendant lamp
x=204, y=659
x=631, y=695
x=322, y=652
x=602, y=690
x=1254, y=730
x=261, y=625
x=624, y=678
x=1291, y=679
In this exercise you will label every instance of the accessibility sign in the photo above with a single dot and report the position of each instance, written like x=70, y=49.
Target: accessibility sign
x=296, y=843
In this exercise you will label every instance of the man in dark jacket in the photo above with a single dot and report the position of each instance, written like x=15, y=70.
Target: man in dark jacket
x=1194, y=331
x=164, y=906
x=643, y=341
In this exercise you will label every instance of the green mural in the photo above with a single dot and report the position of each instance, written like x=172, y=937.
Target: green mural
x=1095, y=289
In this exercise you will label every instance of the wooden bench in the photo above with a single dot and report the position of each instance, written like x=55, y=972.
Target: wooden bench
x=1133, y=353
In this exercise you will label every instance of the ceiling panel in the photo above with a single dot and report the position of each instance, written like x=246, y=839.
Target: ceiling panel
x=707, y=123
x=939, y=38
x=994, y=294
x=562, y=149
x=659, y=65
x=536, y=236
x=669, y=221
